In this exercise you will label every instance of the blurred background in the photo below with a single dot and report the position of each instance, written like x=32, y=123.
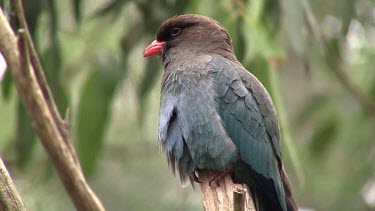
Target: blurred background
x=317, y=59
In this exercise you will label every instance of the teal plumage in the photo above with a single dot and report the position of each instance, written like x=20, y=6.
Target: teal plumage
x=214, y=114
x=244, y=111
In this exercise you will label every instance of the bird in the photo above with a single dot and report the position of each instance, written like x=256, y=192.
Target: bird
x=216, y=115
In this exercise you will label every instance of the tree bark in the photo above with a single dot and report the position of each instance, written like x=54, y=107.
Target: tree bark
x=227, y=196
x=52, y=130
x=9, y=197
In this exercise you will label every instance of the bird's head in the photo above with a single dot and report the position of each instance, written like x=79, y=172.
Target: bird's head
x=188, y=35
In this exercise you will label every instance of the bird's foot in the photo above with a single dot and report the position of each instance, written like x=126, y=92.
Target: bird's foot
x=193, y=176
x=221, y=175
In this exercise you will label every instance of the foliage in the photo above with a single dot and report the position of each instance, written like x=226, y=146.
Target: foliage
x=91, y=51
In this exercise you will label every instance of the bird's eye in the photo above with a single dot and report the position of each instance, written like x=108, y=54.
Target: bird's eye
x=175, y=31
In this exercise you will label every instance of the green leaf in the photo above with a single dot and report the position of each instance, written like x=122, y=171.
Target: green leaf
x=54, y=20
x=293, y=22
x=52, y=66
x=77, y=6
x=372, y=88
x=33, y=9
x=2, y=3
x=347, y=13
x=113, y=6
x=181, y=5
x=25, y=136
x=259, y=41
x=52, y=59
x=310, y=108
x=333, y=50
x=153, y=70
x=272, y=15
x=94, y=110
x=238, y=41
x=260, y=68
x=6, y=84
x=194, y=5
x=323, y=136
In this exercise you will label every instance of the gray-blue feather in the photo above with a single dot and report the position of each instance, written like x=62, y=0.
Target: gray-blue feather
x=190, y=129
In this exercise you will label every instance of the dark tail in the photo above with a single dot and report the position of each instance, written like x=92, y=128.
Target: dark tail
x=262, y=202
x=264, y=191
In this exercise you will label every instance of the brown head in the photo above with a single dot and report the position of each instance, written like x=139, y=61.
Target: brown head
x=190, y=35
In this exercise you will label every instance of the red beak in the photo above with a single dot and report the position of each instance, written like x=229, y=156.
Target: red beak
x=155, y=48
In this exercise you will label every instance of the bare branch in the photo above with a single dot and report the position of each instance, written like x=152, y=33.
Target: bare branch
x=35, y=61
x=239, y=196
x=9, y=197
x=221, y=198
x=334, y=61
x=44, y=117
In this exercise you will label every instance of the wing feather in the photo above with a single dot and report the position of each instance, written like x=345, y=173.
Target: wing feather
x=246, y=113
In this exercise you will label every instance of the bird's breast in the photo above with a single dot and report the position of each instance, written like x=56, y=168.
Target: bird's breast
x=191, y=88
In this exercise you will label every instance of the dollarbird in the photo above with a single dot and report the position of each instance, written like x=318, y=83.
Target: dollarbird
x=216, y=115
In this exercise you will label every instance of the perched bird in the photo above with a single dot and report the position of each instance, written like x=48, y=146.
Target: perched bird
x=216, y=115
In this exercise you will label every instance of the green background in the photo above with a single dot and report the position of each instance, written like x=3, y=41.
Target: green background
x=92, y=53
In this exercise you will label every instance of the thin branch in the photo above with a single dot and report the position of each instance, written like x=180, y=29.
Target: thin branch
x=63, y=125
x=17, y=8
x=311, y=20
x=52, y=133
x=239, y=200
x=9, y=197
x=334, y=61
x=222, y=198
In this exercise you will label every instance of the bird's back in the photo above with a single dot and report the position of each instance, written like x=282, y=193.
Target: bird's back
x=249, y=117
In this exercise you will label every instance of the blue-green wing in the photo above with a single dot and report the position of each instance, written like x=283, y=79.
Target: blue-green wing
x=250, y=120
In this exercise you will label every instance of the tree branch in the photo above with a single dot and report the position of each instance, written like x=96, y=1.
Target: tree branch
x=334, y=62
x=17, y=8
x=228, y=196
x=40, y=106
x=9, y=197
x=39, y=72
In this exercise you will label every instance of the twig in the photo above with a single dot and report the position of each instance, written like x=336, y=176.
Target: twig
x=17, y=8
x=52, y=133
x=335, y=63
x=239, y=200
x=9, y=197
x=63, y=125
x=221, y=198
x=311, y=20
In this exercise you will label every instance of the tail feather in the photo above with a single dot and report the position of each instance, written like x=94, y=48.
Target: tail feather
x=262, y=202
x=291, y=203
x=264, y=190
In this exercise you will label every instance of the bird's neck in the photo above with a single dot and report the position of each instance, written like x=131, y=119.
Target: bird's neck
x=177, y=55
x=191, y=54
x=181, y=73
x=224, y=52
